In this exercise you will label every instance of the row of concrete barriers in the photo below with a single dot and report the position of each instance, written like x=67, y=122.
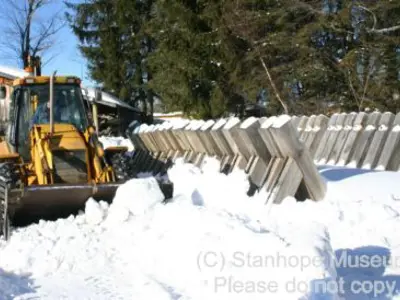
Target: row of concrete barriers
x=361, y=140
x=279, y=153
x=276, y=152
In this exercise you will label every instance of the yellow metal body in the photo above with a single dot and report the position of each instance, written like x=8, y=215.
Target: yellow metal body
x=46, y=79
x=40, y=170
x=65, y=138
x=6, y=152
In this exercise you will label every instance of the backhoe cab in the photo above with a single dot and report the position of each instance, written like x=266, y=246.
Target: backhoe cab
x=51, y=160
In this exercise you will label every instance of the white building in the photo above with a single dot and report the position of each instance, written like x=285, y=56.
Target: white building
x=7, y=75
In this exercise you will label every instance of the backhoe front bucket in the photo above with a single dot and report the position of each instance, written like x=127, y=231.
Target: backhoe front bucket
x=51, y=202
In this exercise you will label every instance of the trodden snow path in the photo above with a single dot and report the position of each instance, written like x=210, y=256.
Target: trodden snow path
x=214, y=242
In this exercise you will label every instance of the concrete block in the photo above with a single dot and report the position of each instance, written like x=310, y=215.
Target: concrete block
x=364, y=140
x=390, y=158
x=378, y=141
x=352, y=139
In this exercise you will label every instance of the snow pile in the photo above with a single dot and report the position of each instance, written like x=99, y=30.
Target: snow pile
x=126, y=204
x=12, y=73
x=169, y=117
x=168, y=114
x=116, y=141
x=212, y=241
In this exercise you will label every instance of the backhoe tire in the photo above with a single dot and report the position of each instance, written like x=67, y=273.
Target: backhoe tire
x=4, y=214
x=9, y=179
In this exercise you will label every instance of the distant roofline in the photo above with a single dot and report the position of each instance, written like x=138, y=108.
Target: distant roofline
x=12, y=73
x=107, y=99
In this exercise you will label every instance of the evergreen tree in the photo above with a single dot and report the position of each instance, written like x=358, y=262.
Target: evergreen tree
x=112, y=40
x=372, y=66
x=194, y=63
x=206, y=56
x=312, y=53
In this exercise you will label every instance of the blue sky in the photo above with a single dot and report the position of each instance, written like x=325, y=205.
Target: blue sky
x=68, y=60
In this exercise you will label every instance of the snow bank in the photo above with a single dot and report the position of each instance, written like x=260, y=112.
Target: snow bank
x=211, y=241
x=359, y=184
x=116, y=141
x=146, y=194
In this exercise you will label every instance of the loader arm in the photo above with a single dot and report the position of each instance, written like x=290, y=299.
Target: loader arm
x=103, y=171
x=66, y=154
x=42, y=160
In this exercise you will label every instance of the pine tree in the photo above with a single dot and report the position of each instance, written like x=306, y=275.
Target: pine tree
x=206, y=56
x=195, y=59
x=113, y=41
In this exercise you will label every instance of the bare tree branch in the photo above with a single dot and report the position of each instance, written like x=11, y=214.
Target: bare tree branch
x=369, y=30
x=370, y=72
x=47, y=61
x=373, y=16
x=388, y=29
x=373, y=29
x=360, y=99
x=28, y=32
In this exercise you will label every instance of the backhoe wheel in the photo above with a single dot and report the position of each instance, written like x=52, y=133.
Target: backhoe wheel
x=4, y=216
x=9, y=178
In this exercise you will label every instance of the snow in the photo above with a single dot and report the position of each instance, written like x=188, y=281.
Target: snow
x=197, y=125
x=116, y=141
x=268, y=122
x=106, y=98
x=281, y=120
x=370, y=128
x=232, y=122
x=207, y=125
x=12, y=73
x=212, y=241
x=219, y=124
x=179, y=124
x=248, y=122
x=148, y=190
x=170, y=114
x=172, y=117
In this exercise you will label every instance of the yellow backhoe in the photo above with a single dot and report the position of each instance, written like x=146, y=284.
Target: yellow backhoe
x=51, y=160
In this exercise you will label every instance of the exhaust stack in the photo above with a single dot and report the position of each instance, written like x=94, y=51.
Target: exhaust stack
x=51, y=100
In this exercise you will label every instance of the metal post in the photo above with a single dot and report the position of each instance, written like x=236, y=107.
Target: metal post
x=95, y=117
x=51, y=100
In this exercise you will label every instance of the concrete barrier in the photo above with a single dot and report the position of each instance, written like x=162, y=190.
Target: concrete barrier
x=279, y=153
x=260, y=146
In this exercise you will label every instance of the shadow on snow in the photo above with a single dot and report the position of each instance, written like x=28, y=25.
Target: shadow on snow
x=12, y=286
x=332, y=173
x=360, y=276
